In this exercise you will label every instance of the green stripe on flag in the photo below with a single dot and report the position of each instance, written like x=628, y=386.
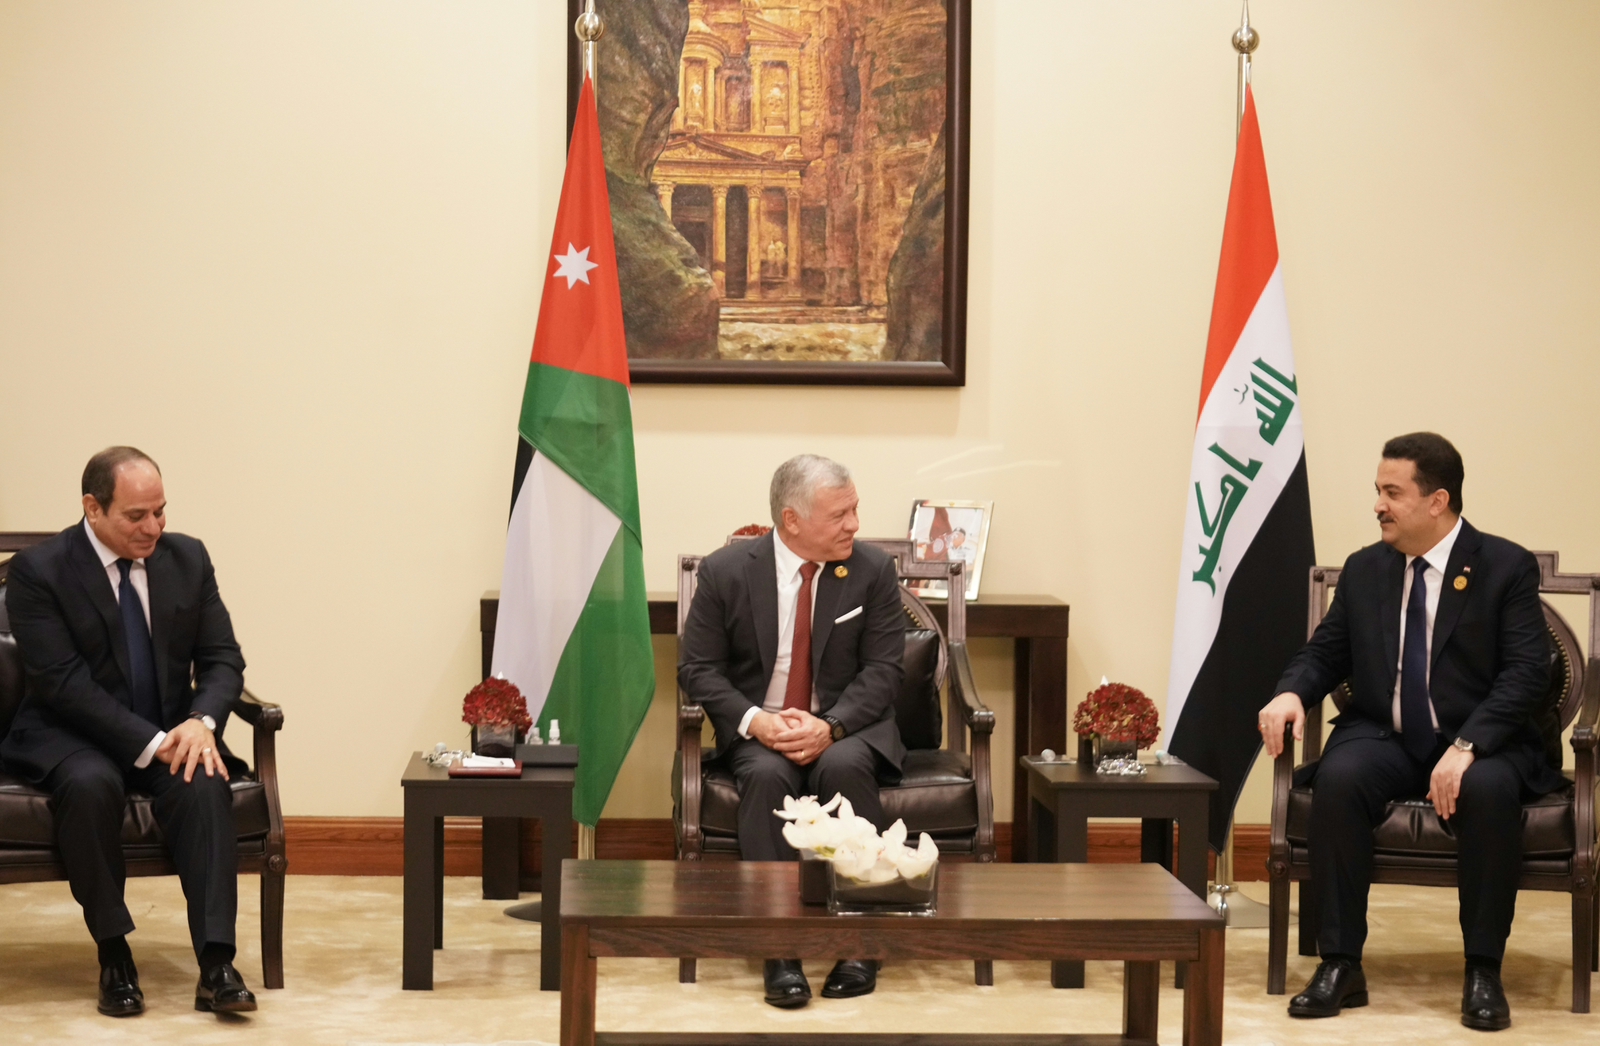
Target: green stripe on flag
x=606, y=678
x=585, y=425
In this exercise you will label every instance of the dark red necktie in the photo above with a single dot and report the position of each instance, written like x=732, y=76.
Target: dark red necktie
x=797, y=693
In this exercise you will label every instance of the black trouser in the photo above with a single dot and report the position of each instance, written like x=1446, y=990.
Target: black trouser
x=849, y=768
x=1354, y=783
x=88, y=796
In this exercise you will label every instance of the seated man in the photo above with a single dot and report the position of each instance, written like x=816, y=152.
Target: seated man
x=1439, y=632
x=793, y=646
x=113, y=620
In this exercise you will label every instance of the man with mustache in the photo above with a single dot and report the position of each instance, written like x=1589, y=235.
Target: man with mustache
x=1439, y=632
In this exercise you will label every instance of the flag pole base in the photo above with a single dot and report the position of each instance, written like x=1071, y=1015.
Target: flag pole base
x=528, y=912
x=1238, y=911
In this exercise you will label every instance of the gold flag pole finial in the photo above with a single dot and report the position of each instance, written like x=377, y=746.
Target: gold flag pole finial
x=589, y=27
x=1245, y=41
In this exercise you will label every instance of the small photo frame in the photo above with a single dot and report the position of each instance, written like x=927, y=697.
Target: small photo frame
x=946, y=530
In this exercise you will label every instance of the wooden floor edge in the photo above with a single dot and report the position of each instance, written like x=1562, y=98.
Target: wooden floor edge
x=375, y=845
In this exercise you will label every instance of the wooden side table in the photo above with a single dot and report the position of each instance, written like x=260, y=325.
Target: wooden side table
x=432, y=795
x=1062, y=796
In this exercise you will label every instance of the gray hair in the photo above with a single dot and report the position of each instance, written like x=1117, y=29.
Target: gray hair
x=799, y=478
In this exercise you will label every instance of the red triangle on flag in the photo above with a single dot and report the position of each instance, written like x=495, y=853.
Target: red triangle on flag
x=580, y=315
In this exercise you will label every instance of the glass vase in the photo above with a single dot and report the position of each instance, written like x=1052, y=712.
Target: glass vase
x=497, y=740
x=1118, y=758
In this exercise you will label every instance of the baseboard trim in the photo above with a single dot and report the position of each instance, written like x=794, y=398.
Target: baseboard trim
x=376, y=845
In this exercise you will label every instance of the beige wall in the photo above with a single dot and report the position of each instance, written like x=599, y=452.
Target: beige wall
x=292, y=250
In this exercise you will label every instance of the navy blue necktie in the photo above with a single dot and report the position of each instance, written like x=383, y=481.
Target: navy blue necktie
x=141, y=652
x=1416, y=717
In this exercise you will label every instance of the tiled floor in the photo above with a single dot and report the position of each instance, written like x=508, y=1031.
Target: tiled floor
x=343, y=974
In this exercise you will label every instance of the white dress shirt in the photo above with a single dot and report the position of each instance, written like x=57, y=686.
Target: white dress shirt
x=789, y=581
x=1438, y=558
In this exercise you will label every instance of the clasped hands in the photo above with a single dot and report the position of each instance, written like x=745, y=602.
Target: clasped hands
x=1444, y=784
x=793, y=733
x=188, y=745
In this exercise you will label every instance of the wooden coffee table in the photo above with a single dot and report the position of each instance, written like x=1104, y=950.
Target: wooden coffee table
x=1139, y=914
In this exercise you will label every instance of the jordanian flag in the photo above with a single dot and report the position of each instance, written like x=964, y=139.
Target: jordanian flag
x=1247, y=546
x=574, y=631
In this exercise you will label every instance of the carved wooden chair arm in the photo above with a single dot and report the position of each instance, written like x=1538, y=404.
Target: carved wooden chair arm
x=979, y=719
x=263, y=715
x=1282, y=782
x=1584, y=729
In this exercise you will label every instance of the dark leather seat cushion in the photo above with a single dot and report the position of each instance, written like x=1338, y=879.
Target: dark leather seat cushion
x=917, y=711
x=26, y=822
x=1410, y=827
x=935, y=795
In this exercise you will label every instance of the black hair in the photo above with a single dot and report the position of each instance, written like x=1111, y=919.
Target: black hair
x=1436, y=461
x=100, y=475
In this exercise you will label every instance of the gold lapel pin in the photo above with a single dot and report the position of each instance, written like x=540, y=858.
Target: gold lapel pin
x=841, y=571
x=1461, y=584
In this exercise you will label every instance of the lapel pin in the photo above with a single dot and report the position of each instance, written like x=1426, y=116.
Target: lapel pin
x=841, y=571
x=1461, y=583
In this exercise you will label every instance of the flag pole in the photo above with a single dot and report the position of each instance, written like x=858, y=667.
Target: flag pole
x=1235, y=908
x=589, y=27
x=1245, y=41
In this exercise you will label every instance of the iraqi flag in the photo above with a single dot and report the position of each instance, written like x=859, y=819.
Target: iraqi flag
x=574, y=629
x=1247, y=547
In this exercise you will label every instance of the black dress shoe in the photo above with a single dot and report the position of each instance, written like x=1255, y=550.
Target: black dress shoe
x=851, y=977
x=119, y=990
x=1337, y=985
x=222, y=990
x=787, y=987
x=1483, y=1001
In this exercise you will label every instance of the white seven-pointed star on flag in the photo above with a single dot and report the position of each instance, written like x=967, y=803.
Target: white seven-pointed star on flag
x=575, y=265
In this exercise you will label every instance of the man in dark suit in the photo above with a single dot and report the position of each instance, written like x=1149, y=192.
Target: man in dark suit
x=793, y=646
x=130, y=671
x=1439, y=632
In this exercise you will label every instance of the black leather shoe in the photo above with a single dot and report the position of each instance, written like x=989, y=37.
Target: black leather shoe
x=1483, y=1001
x=1337, y=985
x=119, y=990
x=222, y=990
x=850, y=978
x=787, y=987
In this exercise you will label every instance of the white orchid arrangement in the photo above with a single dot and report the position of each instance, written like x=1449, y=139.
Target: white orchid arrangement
x=852, y=843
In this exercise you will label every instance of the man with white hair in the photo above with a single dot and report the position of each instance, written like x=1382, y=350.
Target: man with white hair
x=793, y=646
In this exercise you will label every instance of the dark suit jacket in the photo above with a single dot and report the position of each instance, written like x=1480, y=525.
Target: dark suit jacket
x=1490, y=660
x=68, y=629
x=730, y=641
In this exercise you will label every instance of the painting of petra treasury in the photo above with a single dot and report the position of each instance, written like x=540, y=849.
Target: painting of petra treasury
x=784, y=180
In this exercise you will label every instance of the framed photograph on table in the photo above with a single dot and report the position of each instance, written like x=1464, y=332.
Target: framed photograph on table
x=947, y=530
x=788, y=185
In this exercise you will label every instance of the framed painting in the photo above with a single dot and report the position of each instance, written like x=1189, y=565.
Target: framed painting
x=788, y=185
x=942, y=531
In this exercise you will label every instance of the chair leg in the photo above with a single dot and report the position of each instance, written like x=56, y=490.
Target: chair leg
x=1594, y=932
x=1277, y=935
x=272, y=923
x=983, y=972
x=686, y=972
x=1582, y=949
x=1310, y=924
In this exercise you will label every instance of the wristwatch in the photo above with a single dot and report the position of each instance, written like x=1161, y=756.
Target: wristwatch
x=211, y=724
x=1463, y=744
x=838, y=727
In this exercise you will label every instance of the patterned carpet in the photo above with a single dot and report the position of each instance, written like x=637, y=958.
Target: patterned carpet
x=343, y=974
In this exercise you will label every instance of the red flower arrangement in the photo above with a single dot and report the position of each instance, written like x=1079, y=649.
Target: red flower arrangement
x=1117, y=712
x=496, y=701
x=751, y=530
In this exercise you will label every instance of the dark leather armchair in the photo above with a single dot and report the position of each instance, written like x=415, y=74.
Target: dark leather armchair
x=944, y=790
x=1414, y=847
x=27, y=830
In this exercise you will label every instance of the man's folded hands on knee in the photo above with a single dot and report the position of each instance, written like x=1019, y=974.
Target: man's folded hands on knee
x=188, y=745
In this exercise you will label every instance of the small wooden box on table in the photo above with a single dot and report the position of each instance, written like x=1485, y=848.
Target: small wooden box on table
x=1062, y=796
x=542, y=792
x=1138, y=914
